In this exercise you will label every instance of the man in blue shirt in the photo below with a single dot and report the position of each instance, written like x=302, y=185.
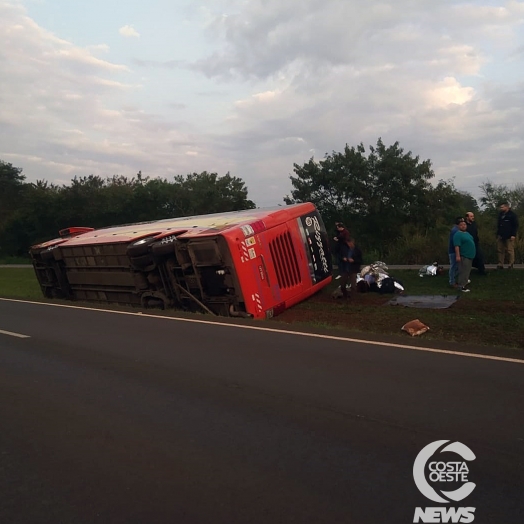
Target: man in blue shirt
x=464, y=253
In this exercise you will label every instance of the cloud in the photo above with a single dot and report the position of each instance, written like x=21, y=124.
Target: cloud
x=275, y=83
x=168, y=64
x=449, y=91
x=66, y=112
x=103, y=48
x=263, y=37
x=129, y=31
x=429, y=74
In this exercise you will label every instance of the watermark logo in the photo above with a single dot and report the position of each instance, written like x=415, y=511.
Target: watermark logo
x=440, y=472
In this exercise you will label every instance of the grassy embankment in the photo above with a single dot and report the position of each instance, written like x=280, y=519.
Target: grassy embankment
x=492, y=314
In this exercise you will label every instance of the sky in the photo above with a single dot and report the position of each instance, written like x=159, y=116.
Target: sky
x=251, y=87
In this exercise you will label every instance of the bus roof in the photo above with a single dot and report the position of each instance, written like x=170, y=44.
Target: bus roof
x=199, y=225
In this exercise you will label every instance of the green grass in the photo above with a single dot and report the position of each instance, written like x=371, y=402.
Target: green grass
x=498, y=285
x=15, y=260
x=19, y=283
x=492, y=314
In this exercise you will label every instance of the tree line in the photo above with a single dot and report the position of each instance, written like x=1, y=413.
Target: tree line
x=386, y=199
x=384, y=195
x=34, y=212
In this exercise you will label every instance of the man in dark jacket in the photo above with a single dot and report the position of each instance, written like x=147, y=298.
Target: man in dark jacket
x=355, y=262
x=507, y=226
x=341, y=237
x=471, y=228
x=350, y=266
x=453, y=266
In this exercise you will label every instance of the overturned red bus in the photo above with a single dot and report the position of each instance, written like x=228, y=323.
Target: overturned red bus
x=252, y=263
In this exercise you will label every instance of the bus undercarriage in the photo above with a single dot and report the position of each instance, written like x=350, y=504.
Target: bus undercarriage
x=195, y=274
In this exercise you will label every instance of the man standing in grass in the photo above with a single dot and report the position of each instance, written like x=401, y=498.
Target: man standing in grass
x=464, y=253
x=453, y=265
x=354, y=261
x=471, y=228
x=507, y=226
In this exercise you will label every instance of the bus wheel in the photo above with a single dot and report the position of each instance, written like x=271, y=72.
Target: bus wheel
x=140, y=247
x=161, y=249
x=154, y=299
x=143, y=263
x=50, y=292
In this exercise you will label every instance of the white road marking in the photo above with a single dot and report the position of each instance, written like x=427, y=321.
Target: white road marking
x=11, y=334
x=273, y=330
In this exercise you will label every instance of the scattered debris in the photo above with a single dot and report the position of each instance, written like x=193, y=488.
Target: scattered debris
x=375, y=277
x=415, y=327
x=431, y=270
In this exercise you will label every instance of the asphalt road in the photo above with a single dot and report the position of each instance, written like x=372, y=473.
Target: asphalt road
x=124, y=418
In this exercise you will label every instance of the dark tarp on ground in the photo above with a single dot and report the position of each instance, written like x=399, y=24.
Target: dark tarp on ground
x=424, y=301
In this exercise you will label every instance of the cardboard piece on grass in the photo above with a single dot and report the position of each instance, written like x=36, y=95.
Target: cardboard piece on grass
x=415, y=327
x=424, y=301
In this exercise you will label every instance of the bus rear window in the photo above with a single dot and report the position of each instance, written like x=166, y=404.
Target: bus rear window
x=315, y=238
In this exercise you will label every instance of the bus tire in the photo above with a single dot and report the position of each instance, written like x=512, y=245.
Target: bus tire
x=140, y=247
x=160, y=249
x=143, y=262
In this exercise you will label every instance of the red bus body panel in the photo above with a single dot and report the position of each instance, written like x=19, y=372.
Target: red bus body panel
x=250, y=263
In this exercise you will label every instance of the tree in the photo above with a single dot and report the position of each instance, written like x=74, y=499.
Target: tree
x=495, y=193
x=375, y=193
x=446, y=203
x=11, y=188
x=34, y=212
x=35, y=218
x=201, y=193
